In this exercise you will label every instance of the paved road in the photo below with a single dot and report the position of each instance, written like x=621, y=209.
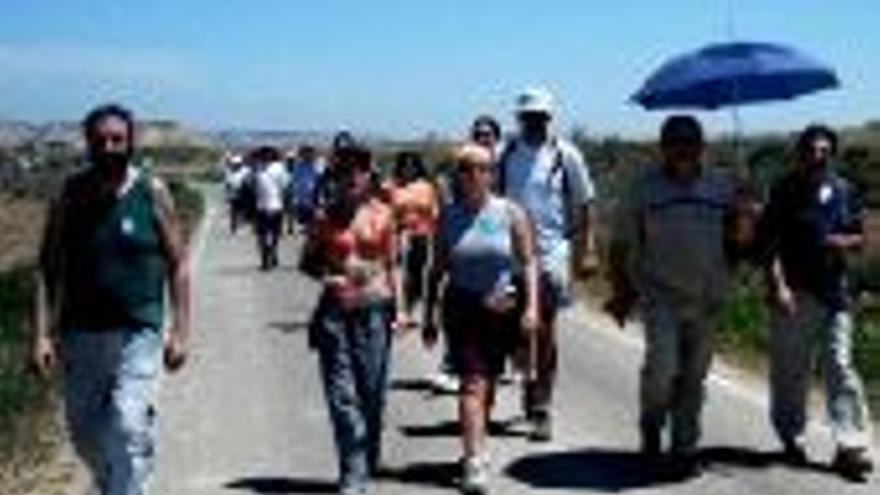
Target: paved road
x=248, y=415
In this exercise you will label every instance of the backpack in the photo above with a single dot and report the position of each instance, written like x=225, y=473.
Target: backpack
x=558, y=167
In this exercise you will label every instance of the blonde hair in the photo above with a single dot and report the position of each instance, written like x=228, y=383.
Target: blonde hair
x=472, y=153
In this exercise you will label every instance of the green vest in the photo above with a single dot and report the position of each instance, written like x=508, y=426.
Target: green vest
x=113, y=262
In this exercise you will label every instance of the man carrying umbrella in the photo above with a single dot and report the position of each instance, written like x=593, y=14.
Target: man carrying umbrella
x=670, y=253
x=811, y=223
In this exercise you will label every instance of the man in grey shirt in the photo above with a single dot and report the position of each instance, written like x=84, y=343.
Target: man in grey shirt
x=669, y=253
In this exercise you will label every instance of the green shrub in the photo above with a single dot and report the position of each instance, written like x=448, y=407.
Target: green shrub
x=745, y=319
x=867, y=353
x=17, y=387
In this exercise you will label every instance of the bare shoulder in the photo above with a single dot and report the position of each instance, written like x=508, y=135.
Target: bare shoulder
x=161, y=192
x=516, y=212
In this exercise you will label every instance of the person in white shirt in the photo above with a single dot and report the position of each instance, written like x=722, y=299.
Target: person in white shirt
x=270, y=181
x=234, y=178
x=547, y=176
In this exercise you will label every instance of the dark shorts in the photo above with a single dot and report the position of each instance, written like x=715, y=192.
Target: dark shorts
x=550, y=297
x=479, y=340
x=269, y=223
x=304, y=213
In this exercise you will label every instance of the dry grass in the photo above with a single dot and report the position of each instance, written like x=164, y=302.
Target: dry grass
x=21, y=223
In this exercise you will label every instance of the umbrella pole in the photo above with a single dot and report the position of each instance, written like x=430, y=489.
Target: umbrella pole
x=739, y=162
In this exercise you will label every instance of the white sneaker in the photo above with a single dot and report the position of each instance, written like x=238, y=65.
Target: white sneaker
x=445, y=383
x=475, y=476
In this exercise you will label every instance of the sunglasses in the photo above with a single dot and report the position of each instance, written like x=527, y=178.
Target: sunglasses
x=477, y=133
x=470, y=168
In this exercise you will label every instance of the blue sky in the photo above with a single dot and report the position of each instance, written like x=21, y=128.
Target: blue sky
x=406, y=67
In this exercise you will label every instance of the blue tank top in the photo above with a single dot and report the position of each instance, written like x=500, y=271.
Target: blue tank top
x=479, y=245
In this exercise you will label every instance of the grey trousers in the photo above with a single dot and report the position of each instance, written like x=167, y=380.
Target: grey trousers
x=793, y=341
x=678, y=353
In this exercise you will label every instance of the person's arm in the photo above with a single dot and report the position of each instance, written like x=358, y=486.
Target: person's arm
x=781, y=295
x=177, y=262
x=401, y=317
x=43, y=357
x=524, y=246
x=767, y=248
x=851, y=235
x=623, y=250
x=437, y=258
x=585, y=253
x=582, y=193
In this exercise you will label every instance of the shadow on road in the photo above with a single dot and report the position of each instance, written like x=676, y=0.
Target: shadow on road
x=450, y=428
x=289, y=326
x=433, y=474
x=616, y=470
x=604, y=470
x=753, y=459
x=281, y=485
x=441, y=429
x=411, y=385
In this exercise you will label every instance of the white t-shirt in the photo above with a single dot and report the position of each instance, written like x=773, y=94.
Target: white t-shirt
x=235, y=178
x=271, y=182
x=535, y=178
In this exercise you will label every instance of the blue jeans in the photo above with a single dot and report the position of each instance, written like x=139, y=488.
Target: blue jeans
x=354, y=349
x=110, y=381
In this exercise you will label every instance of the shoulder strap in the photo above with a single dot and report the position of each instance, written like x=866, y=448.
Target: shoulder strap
x=560, y=166
x=501, y=166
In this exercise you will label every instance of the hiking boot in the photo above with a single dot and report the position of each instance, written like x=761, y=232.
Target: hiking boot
x=651, y=440
x=352, y=489
x=853, y=463
x=794, y=453
x=685, y=465
x=541, y=427
x=475, y=476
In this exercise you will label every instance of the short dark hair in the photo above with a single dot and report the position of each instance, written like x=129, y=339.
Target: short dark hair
x=265, y=154
x=409, y=164
x=344, y=139
x=101, y=112
x=815, y=131
x=354, y=157
x=488, y=121
x=677, y=127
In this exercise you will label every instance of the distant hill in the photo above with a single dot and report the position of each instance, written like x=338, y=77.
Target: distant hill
x=152, y=134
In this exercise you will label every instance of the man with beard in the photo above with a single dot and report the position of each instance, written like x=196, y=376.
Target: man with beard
x=111, y=246
x=810, y=229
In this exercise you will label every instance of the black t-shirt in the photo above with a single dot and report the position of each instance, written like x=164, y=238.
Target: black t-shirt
x=797, y=220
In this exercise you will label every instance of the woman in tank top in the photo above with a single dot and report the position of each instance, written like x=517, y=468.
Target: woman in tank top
x=484, y=243
x=354, y=237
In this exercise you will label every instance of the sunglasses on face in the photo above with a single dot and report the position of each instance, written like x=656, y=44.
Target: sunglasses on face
x=472, y=168
x=480, y=133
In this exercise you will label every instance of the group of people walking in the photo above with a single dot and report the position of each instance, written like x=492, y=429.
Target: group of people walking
x=271, y=191
x=490, y=252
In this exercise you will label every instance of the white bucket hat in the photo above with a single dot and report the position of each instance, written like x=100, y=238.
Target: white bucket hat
x=535, y=100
